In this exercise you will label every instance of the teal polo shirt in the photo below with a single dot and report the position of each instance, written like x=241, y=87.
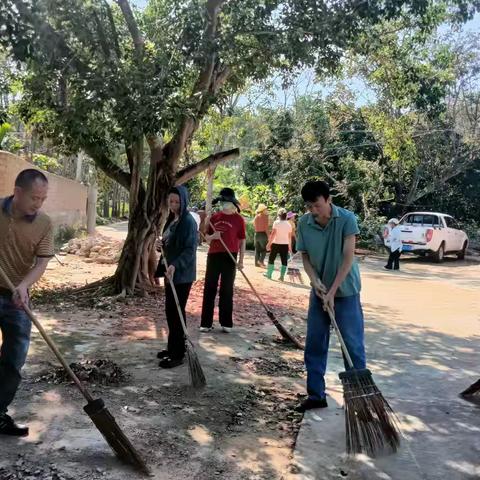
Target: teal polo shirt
x=324, y=246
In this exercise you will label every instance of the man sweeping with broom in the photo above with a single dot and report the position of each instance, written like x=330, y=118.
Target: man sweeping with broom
x=326, y=238
x=26, y=246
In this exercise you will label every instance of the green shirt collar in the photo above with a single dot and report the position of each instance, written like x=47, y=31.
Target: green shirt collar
x=335, y=214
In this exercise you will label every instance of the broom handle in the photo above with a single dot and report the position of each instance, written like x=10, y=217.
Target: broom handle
x=241, y=271
x=174, y=291
x=331, y=314
x=49, y=341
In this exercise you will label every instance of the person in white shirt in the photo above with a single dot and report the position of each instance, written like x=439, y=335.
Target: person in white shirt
x=396, y=245
x=196, y=216
x=280, y=242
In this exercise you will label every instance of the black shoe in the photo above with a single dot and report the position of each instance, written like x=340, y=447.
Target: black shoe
x=9, y=427
x=170, y=362
x=162, y=354
x=310, y=403
x=387, y=267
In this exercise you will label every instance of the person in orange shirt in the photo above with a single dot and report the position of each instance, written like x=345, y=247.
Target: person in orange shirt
x=261, y=234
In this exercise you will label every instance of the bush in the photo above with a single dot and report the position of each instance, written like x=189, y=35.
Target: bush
x=64, y=233
x=472, y=229
x=103, y=221
x=371, y=232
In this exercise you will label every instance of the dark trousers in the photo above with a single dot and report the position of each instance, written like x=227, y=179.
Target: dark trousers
x=394, y=260
x=261, y=240
x=15, y=326
x=219, y=267
x=278, y=249
x=176, y=337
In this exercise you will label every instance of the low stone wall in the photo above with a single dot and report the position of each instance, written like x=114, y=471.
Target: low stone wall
x=67, y=200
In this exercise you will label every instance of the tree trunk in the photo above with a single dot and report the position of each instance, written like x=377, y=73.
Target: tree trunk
x=143, y=226
x=79, y=164
x=208, y=202
x=92, y=208
x=106, y=205
x=123, y=206
x=147, y=214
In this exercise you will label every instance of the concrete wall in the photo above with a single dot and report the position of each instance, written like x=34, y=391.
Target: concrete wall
x=67, y=200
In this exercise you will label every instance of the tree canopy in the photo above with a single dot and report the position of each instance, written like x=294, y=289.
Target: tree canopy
x=99, y=75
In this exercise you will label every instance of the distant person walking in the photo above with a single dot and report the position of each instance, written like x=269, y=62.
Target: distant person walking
x=280, y=243
x=261, y=234
x=396, y=245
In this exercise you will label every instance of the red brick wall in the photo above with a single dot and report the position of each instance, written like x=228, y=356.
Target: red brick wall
x=67, y=200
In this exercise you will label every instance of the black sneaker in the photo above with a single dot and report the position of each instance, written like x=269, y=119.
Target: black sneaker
x=170, y=362
x=386, y=267
x=9, y=427
x=162, y=354
x=310, y=403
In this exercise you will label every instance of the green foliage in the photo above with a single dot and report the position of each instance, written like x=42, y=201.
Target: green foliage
x=64, y=233
x=371, y=231
x=46, y=163
x=5, y=128
x=250, y=234
x=87, y=86
x=101, y=221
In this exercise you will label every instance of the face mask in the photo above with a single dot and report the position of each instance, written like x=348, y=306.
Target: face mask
x=227, y=206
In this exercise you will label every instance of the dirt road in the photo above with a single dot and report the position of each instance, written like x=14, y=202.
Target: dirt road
x=242, y=426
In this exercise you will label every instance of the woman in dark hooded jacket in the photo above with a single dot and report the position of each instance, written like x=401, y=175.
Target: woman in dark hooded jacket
x=179, y=240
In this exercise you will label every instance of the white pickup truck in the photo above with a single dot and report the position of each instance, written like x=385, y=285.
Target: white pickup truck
x=431, y=233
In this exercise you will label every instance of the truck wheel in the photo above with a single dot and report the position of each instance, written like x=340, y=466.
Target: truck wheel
x=440, y=253
x=461, y=253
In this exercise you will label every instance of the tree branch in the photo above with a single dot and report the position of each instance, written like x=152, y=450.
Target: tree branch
x=202, y=88
x=113, y=28
x=137, y=38
x=211, y=161
x=204, y=79
x=110, y=168
x=101, y=36
x=54, y=40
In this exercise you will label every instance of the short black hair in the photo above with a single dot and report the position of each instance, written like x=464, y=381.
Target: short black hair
x=283, y=216
x=314, y=189
x=27, y=177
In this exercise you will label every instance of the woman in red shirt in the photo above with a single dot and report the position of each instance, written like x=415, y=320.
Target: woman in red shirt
x=229, y=225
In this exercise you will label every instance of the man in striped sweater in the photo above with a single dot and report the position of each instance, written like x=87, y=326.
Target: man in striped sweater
x=26, y=246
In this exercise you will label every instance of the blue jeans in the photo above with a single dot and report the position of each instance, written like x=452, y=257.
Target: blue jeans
x=349, y=317
x=15, y=326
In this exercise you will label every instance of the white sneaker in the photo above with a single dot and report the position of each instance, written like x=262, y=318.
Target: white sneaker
x=226, y=329
x=206, y=329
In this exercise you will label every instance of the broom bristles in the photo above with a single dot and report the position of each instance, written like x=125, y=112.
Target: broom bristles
x=370, y=423
x=472, y=393
x=197, y=377
x=284, y=332
x=113, y=434
x=473, y=389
